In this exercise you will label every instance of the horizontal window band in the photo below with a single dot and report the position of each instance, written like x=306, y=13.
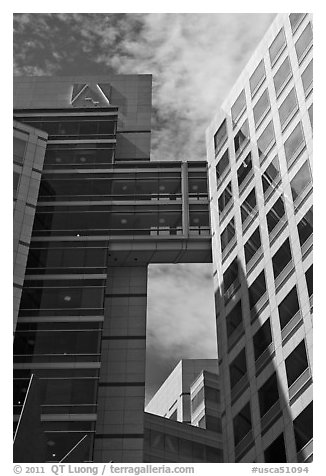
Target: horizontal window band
x=122, y=384
x=39, y=171
x=124, y=338
x=126, y=295
x=24, y=243
x=119, y=435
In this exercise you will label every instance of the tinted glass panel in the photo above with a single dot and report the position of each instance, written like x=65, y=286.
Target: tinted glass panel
x=257, y=289
x=276, y=215
x=288, y=307
x=266, y=139
x=303, y=42
x=301, y=181
x=288, y=107
x=257, y=77
x=220, y=137
x=277, y=46
x=262, y=339
x=296, y=363
x=282, y=75
x=222, y=165
x=242, y=424
x=227, y=235
x=305, y=227
x=307, y=77
x=261, y=107
x=268, y=394
x=281, y=258
x=238, y=107
x=252, y=245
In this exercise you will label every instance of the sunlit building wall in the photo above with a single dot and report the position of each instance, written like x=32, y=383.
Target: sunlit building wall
x=259, y=149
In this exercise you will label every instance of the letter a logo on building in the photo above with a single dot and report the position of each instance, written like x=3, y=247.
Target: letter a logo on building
x=91, y=95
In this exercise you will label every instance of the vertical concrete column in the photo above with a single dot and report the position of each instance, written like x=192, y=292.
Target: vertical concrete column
x=121, y=392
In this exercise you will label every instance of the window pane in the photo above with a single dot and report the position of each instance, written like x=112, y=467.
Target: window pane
x=303, y=427
x=261, y=107
x=301, y=181
x=293, y=142
x=242, y=137
x=227, y=235
x=252, y=245
x=238, y=368
x=275, y=453
x=244, y=169
x=277, y=46
x=220, y=137
x=310, y=112
x=268, y=394
x=248, y=207
x=307, y=77
x=281, y=258
x=19, y=147
x=222, y=165
x=276, y=215
x=296, y=363
x=257, y=289
x=288, y=307
x=303, y=42
x=257, y=77
x=295, y=19
x=266, y=138
x=287, y=108
x=238, y=107
x=231, y=274
x=305, y=227
x=225, y=198
x=234, y=319
x=309, y=280
x=282, y=75
x=242, y=424
x=271, y=176
x=262, y=339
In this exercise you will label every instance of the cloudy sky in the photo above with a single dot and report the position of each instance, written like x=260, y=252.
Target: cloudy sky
x=194, y=60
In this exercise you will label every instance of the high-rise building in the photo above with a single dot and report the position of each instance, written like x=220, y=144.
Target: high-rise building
x=104, y=211
x=259, y=149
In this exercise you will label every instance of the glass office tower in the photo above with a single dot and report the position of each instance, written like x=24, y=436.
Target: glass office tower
x=259, y=149
x=103, y=213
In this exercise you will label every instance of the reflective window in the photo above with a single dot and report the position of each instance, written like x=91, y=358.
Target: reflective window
x=305, y=227
x=261, y=107
x=282, y=75
x=275, y=452
x=257, y=290
x=288, y=107
x=301, y=181
x=16, y=178
x=277, y=46
x=241, y=139
x=220, y=137
x=262, y=339
x=227, y=235
x=238, y=368
x=257, y=77
x=222, y=166
x=197, y=400
x=265, y=140
x=242, y=424
x=230, y=276
x=271, y=176
x=282, y=258
x=295, y=20
x=288, y=307
x=225, y=198
x=276, y=215
x=307, y=77
x=293, y=143
x=19, y=148
x=248, y=207
x=234, y=319
x=310, y=112
x=252, y=245
x=268, y=394
x=296, y=363
x=304, y=42
x=238, y=107
x=303, y=427
x=244, y=171
x=63, y=156
x=309, y=280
